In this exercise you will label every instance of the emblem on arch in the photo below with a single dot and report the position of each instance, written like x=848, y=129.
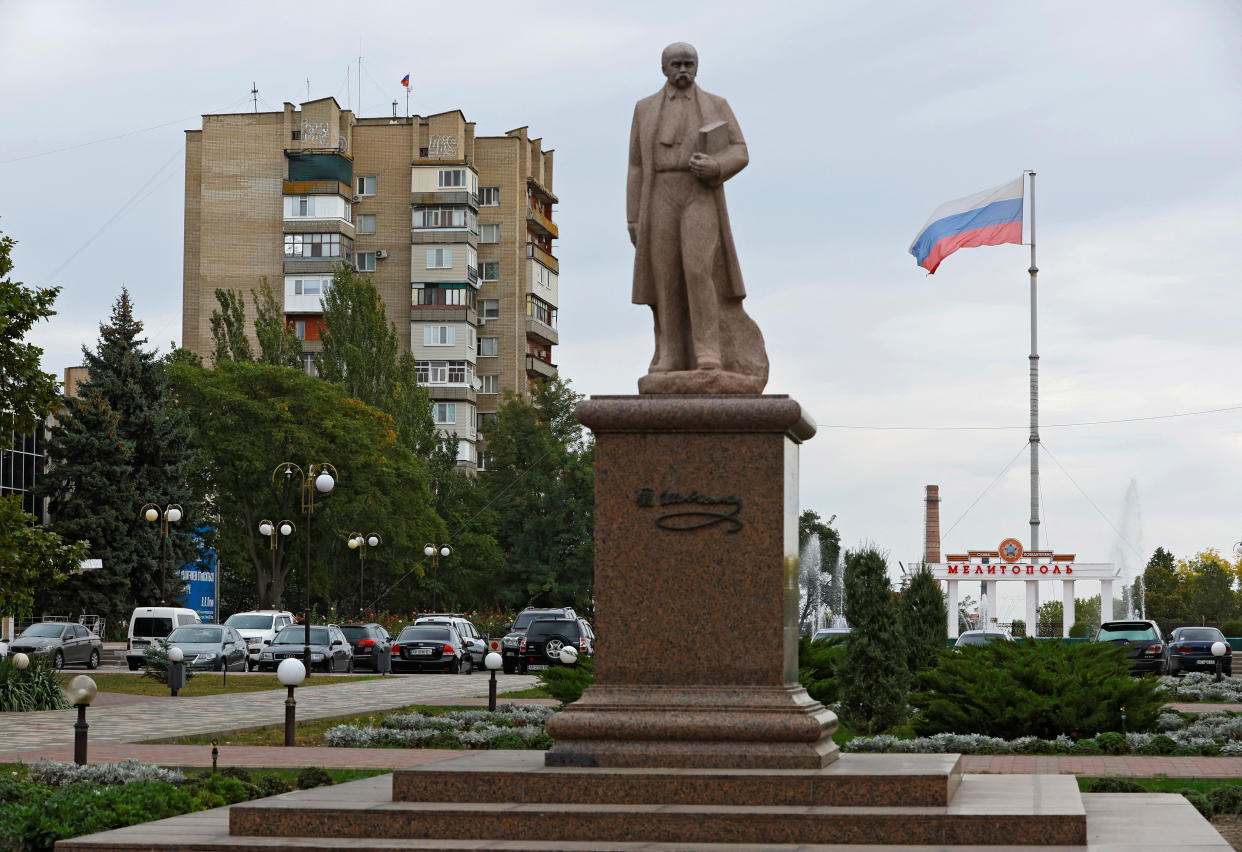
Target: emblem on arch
x=1010, y=550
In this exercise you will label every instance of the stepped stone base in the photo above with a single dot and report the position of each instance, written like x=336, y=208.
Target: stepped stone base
x=500, y=801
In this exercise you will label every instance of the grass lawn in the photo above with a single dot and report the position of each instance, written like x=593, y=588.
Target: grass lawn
x=201, y=684
x=309, y=733
x=533, y=692
x=1171, y=785
x=339, y=776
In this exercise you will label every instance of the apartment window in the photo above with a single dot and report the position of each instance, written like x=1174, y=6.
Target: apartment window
x=366, y=261
x=489, y=347
x=491, y=383
x=310, y=363
x=316, y=245
x=310, y=286
x=439, y=335
x=422, y=372
x=440, y=217
x=439, y=258
x=297, y=136
x=491, y=308
x=489, y=196
x=541, y=310
x=366, y=223
x=489, y=233
x=444, y=294
x=444, y=413
x=450, y=178
x=299, y=328
x=490, y=270
x=439, y=372
x=483, y=459
x=367, y=184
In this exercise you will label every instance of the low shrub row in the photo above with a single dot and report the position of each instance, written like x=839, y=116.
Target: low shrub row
x=510, y=727
x=33, y=688
x=1202, y=686
x=54, y=801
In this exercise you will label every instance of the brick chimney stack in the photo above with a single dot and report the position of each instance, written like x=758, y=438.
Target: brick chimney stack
x=931, y=525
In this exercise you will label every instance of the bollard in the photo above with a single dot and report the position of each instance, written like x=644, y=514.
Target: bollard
x=215, y=755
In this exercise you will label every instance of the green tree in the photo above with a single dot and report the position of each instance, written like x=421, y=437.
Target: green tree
x=27, y=394
x=924, y=617
x=278, y=342
x=1051, y=615
x=1210, y=594
x=541, y=484
x=1164, y=590
x=228, y=328
x=252, y=417
x=128, y=380
x=873, y=678
x=360, y=347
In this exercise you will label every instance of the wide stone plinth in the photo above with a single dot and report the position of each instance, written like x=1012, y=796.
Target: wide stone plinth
x=696, y=572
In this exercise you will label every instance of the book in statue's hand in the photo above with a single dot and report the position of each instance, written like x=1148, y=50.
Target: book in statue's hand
x=714, y=137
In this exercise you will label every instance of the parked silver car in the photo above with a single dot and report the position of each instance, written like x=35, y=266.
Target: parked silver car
x=64, y=644
x=210, y=647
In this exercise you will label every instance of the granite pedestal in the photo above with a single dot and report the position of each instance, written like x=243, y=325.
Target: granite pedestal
x=696, y=576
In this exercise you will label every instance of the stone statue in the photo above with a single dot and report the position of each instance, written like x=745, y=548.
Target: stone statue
x=684, y=144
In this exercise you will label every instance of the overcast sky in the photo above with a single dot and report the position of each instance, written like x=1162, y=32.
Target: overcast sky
x=861, y=118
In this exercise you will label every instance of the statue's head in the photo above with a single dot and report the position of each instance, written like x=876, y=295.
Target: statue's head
x=680, y=62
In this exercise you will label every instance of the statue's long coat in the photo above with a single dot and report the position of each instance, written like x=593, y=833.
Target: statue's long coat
x=732, y=160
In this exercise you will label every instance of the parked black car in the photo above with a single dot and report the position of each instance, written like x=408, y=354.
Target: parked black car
x=544, y=639
x=329, y=650
x=1140, y=641
x=367, y=641
x=510, y=646
x=1190, y=650
x=431, y=647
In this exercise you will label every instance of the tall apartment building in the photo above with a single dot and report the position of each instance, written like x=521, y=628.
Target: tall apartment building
x=454, y=230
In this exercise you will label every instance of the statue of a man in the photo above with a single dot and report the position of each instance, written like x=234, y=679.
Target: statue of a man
x=684, y=144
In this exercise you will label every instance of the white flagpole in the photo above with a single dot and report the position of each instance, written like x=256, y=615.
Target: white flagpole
x=1034, y=363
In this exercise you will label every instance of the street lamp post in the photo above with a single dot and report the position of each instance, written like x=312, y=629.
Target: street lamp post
x=80, y=693
x=274, y=531
x=170, y=514
x=291, y=673
x=435, y=553
x=317, y=477
x=357, y=541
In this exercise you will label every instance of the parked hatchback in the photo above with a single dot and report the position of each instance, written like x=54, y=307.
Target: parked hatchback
x=368, y=642
x=1140, y=641
x=1190, y=650
x=62, y=643
x=980, y=637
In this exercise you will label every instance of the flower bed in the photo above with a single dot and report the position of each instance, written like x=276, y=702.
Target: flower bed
x=510, y=727
x=1202, y=686
x=1212, y=734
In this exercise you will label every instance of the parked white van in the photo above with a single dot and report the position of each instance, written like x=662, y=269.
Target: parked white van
x=148, y=623
x=258, y=627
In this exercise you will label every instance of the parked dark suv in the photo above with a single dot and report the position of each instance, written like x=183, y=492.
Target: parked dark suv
x=510, y=649
x=1140, y=641
x=545, y=637
x=369, y=642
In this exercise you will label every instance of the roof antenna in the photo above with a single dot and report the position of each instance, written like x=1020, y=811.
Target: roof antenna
x=254, y=93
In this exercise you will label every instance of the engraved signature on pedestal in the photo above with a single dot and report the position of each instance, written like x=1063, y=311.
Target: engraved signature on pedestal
x=692, y=511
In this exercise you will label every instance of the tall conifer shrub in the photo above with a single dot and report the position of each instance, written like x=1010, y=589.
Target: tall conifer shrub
x=872, y=677
x=924, y=619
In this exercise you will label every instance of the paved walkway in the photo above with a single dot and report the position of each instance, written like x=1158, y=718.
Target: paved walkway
x=1128, y=765
x=1202, y=707
x=166, y=717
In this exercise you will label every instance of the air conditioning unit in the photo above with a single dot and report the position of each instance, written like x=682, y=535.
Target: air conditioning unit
x=357, y=198
x=380, y=254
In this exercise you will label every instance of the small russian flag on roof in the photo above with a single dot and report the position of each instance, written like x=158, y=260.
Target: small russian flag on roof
x=405, y=81
x=988, y=218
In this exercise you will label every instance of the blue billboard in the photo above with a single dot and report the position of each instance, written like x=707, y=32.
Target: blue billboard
x=202, y=578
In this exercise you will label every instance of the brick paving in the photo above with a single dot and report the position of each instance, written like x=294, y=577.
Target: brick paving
x=1128, y=765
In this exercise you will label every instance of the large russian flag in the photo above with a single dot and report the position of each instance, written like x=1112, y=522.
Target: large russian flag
x=987, y=218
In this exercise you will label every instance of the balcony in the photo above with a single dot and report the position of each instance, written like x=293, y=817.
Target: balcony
x=319, y=226
x=541, y=332
x=540, y=223
x=539, y=189
x=317, y=187
x=448, y=196
x=442, y=313
x=536, y=253
x=433, y=236
x=539, y=367
x=304, y=265
x=452, y=393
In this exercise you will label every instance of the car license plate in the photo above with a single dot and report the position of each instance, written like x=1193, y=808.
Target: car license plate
x=1205, y=662
x=422, y=652
x=536, y=668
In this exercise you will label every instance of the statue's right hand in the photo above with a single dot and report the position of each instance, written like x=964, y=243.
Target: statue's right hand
x=633, y=228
